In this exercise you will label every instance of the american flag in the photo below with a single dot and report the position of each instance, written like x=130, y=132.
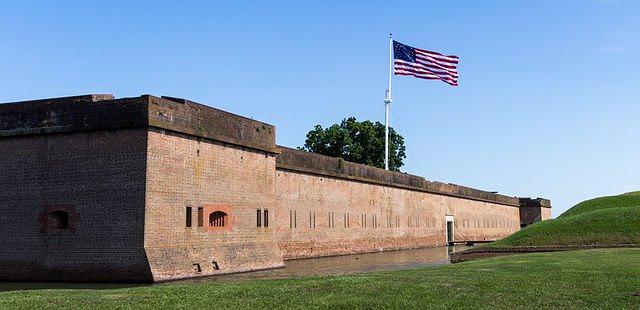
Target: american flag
x=424, y=64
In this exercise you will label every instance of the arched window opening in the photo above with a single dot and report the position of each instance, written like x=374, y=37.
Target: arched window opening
x=218, y=219
x=59, y=220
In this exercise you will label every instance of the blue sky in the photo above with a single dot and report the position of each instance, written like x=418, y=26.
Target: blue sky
x=548, y=103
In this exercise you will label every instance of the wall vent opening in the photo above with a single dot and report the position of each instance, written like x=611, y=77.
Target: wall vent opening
x=59, y=220
x=266, y=218
x=188, y=217
x=258, y=218
x=218, y=219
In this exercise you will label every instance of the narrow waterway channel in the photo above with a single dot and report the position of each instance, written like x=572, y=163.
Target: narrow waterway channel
x=322, y=266
x=347, y=264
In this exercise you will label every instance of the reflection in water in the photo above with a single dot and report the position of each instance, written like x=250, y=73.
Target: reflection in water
x=348, y=264
x=336, y=265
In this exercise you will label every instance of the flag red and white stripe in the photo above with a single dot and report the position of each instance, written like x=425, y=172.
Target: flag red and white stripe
x=425, y=64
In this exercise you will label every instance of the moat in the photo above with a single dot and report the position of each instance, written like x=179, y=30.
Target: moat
x=323, y=266
x=347, y=264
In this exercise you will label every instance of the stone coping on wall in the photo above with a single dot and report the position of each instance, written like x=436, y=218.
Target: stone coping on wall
x=535, y=202
x=312, y=163
x=103, y=112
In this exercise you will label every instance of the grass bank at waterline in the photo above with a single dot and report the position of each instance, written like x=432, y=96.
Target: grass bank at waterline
x=597, y=279
x=611, y=220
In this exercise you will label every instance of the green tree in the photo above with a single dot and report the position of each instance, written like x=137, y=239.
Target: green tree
x=359, y=142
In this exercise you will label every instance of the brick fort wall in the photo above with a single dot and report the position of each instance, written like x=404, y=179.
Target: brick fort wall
x=329, y=207
x=186, y=173
x=98, y=180
x=149, y=189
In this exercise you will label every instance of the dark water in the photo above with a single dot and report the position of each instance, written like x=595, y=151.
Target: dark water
x=347, y=264
x=323, y=266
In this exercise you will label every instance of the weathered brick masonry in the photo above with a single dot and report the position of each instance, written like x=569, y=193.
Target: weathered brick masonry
x=150, y=189
x=327, y=206
x=534, y=210
x=97, y=177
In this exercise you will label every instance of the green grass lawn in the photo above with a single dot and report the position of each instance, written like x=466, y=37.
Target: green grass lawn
x=607, y=220
x=597, y=279
x=631, y=199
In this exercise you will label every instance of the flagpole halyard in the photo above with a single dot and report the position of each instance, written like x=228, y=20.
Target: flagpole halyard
x=387, y=103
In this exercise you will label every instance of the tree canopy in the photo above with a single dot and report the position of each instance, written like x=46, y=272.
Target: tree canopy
x=359, y=142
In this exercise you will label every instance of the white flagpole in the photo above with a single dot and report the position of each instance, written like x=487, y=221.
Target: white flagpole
x=387, y=103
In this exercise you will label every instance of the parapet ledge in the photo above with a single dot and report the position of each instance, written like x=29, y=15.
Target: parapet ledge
x=104, y=112
x=68, y=99
x=534, y=202
x=193, y=118
x=69, y=114
x=307, y=162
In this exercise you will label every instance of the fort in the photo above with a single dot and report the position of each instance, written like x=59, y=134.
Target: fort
x=150, y=189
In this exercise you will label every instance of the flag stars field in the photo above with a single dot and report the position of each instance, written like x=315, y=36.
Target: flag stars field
x=425, y=64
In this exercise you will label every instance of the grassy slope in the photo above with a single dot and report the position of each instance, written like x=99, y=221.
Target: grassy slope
x=631, y=199
x=608, y=278
x=601, y=221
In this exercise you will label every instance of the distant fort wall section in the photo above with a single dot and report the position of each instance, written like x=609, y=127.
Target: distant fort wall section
x=327, y=206
x=150, y=189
